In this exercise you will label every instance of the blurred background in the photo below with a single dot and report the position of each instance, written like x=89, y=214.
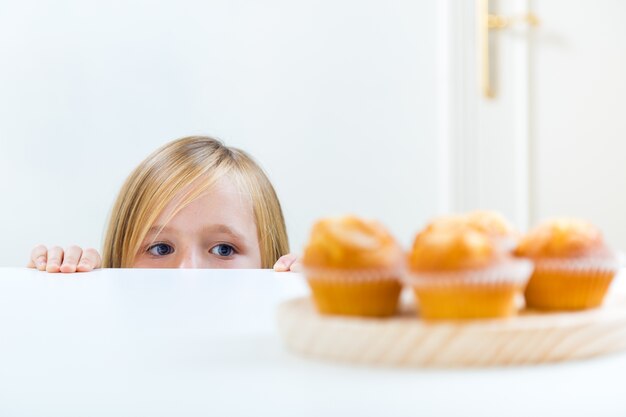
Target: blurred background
x=397, y=110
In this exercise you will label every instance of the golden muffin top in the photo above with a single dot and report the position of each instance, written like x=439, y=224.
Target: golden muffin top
x=451, y=249
x=562, y=238
x=447, y=222
x=490, y=223
x=349, y=242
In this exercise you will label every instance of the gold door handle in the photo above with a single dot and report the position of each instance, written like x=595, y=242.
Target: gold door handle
x=501, y=22
x=487, y=22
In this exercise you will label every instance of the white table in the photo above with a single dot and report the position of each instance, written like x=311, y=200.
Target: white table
x=203, y=343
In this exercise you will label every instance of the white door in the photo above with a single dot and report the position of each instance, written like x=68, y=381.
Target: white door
x=552, y=139
x=578, y=113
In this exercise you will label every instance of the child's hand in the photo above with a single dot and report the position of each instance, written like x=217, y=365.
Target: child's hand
x=73, y=259
x=288, y=262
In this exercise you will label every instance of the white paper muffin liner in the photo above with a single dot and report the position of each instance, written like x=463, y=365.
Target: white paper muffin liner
x=353, y=275
x=571, y=284
x=515, y=271
x=584, y=265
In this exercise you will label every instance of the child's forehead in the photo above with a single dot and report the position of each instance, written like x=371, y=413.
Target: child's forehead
x=235, y=232
x=202, y=205
x=222, y=189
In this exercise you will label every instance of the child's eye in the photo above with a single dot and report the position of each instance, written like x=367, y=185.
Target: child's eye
x=223, y=250
x=160, y=249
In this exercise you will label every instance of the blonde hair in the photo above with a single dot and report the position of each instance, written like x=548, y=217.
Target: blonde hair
x=170, y=170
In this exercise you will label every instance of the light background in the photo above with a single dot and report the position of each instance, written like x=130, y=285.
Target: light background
x=336, y=99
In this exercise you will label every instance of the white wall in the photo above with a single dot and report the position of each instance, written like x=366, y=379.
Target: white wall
x=337, y=100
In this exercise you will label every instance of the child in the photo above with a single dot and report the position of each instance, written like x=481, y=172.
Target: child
x=193, y=203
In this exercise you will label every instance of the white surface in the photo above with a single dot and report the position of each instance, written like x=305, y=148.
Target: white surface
x=337, y=100
x=203, y=342
x=578, y=92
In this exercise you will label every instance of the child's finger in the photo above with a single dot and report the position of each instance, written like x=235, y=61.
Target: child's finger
x=296, y=266
x=55, y=257
x=38, y=257
x=70, y=259
x=89, y=261
x=283, y=264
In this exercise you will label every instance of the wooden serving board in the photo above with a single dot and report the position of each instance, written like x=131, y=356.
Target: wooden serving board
x=406, y=341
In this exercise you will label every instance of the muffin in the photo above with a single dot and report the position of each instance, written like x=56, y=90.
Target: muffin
x=573, y=265
x=494, y=225
x=491, y=223
x=460, y=273
x=353, y=267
